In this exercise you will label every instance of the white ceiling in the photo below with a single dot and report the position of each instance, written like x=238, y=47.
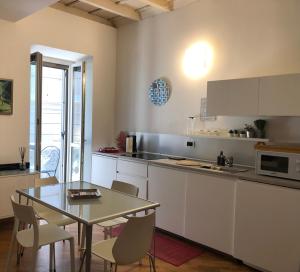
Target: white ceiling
x=14, y=10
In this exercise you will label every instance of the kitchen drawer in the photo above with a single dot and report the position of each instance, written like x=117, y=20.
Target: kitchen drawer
x=132, y=168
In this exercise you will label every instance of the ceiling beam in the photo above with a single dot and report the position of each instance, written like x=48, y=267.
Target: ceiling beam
x=81, y=13
x=164, y=5
x=119, y=9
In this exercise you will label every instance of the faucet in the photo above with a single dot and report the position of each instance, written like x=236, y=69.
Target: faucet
x=229, y=161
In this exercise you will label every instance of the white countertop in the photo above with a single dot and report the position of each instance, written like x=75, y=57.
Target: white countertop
x=248, y=175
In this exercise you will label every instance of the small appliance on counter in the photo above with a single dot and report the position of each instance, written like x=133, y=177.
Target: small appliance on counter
x=131, y=144
x=281, y=161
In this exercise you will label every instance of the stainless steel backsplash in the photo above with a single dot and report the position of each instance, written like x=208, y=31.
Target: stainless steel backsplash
x=206, y=149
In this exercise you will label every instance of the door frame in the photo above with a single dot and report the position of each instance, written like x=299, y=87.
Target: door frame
x=82, y=65
x=64, y=133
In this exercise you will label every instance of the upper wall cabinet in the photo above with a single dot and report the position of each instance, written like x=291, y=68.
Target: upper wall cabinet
x=279, y=95
x=261, y=96
x=233, y=97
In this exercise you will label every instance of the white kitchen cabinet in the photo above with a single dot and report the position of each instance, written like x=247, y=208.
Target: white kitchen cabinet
x=279, y=95
x=168, y=187
x=135, y=173
x=233, y=97
x=8, y=186
x=267, y=229
x=209, y=216
x=103, y=170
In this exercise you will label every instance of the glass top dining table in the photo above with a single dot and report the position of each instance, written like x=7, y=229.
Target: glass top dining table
x=110, y=205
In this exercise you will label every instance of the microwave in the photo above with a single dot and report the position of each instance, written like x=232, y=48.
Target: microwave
x=278, y=164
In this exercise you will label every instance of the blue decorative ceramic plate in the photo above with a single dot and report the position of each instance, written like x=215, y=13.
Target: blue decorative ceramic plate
x=159, y=92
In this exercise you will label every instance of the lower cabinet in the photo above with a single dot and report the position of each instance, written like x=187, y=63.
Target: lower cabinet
x=209, y=218
x=267, y=228
x=197, y=206
x=8, y=187
x=103, y=170
x=134, y=173
x=168, y=187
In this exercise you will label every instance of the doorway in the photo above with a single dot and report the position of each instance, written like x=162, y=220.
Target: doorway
x=57, y=118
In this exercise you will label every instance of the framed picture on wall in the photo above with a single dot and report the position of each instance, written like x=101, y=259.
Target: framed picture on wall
x=6, y=96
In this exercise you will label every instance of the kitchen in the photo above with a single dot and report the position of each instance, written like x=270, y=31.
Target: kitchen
x=251, y=66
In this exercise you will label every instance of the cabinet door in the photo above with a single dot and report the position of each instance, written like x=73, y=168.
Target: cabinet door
x=103, y=170
x=8, y=187
x=210, y=211
x=140, y=182
x=279, y=95
x=233, y=97
x=132, y=168
x=135, y=173
x=267, y=226
x=168, y=187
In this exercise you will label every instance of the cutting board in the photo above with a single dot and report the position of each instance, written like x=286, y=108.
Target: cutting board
x=189, y=163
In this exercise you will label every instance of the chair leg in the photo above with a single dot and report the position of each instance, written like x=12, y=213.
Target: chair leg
x=110, y=232
x=10, y=251
x=64, y=227
x=79, y=231
x=82, y=262
x=105, y=266
x=34, y=259
x=72, y=254
x=54, y=259
x=19, y=249
x=152, y=263
x=105, y=233
x=50, y=257
x=116, y=267
x=82, y=241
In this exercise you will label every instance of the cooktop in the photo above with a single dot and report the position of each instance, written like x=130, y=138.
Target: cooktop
x=145, y=156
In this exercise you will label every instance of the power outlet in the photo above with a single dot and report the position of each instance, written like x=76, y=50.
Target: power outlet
x=190, y=144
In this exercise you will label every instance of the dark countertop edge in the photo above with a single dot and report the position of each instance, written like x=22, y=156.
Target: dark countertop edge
x=119, y=156
x=11, y=173
x=246, y=176
x=113, y=155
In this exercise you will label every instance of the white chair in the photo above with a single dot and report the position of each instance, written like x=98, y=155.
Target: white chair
x=36, y=236
x=125, y=188
x=133, y=243
x=108, y=225
x=49, y=215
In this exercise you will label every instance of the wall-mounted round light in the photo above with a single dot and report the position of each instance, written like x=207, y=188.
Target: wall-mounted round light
x=197, y=60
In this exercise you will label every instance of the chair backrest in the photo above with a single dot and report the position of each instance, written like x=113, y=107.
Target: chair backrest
x=25, y=214
x=50, y=156
x=135, y=240
x=38, y=182
x=124, y=187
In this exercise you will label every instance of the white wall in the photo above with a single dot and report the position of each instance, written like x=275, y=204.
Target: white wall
x=56, y=29
x=249, y=38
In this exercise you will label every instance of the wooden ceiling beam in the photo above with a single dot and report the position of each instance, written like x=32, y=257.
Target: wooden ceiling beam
x=81, y=13
x=160, y=4
x=119, y=9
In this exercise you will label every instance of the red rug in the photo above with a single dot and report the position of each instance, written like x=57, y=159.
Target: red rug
x=171, y=250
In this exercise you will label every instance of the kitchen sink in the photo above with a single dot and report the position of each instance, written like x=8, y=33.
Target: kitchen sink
x=232, y=170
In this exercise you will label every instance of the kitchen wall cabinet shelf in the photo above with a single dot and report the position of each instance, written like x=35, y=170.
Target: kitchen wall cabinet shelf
x=229, y=138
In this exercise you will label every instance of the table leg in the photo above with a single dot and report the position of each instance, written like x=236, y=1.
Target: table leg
x=88, y=247
x=154, y=241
